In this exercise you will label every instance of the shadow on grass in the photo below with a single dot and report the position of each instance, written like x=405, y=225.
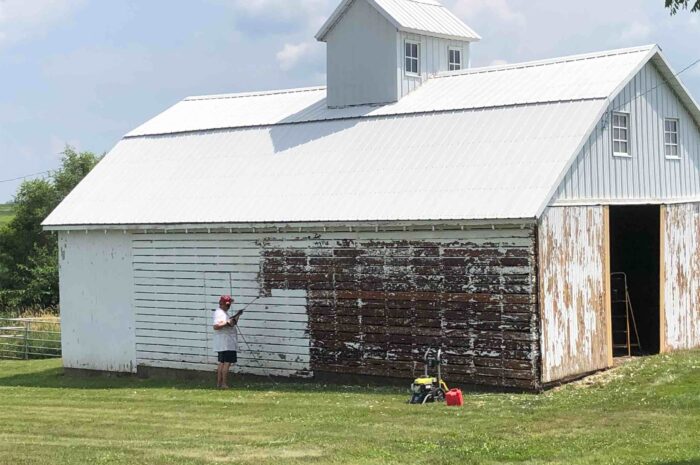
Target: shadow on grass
x=56, y=378
x=48, y=374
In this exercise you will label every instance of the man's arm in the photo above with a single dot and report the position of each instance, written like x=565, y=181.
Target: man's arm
x=233, y=321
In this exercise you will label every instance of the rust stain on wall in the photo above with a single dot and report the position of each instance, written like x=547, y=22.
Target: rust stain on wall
x=572, y=292
x=682, y=276
x=375, y=305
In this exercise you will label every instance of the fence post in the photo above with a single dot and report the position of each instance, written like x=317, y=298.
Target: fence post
x=26, y=339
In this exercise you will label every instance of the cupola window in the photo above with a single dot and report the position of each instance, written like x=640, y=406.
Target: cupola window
x=455, y=61
x=412, y=57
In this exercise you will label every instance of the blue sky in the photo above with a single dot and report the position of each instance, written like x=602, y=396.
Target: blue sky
x=85, y=72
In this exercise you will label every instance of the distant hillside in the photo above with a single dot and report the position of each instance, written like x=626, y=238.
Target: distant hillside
x=6, y=213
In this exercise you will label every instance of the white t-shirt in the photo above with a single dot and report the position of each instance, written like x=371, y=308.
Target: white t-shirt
x=224, y=338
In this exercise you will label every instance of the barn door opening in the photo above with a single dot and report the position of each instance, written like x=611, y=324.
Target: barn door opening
x=635, y=284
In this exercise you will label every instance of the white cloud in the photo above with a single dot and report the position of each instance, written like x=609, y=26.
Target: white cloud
x=21, y=19
x=636, y=31
x=293, y=54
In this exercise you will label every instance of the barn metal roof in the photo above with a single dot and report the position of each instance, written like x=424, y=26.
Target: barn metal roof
x=580, y=77
x=428, y=17
x=490, y=143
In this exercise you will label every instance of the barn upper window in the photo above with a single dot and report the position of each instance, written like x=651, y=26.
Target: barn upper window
x=412, y=57
x=455, y=59
x=621, y=134
x=671, y=133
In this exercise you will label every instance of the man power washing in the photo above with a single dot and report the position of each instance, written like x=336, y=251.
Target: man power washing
x=225, y=341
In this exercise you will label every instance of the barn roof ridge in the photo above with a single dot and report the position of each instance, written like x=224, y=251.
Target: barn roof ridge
x=548, y=61
x=443, y=75
x=549, y=81
x=261, y=93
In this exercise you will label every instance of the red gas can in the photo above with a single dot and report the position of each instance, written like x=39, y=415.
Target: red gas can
x=454, y=398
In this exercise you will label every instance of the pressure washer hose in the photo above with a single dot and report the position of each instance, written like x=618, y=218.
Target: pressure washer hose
x=240, y=333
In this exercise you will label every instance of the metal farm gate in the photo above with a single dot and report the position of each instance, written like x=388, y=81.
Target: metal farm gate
x=30, y=338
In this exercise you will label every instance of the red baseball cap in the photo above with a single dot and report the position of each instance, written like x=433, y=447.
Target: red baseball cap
x=225, y=299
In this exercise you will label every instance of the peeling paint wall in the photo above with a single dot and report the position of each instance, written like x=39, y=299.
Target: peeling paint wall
x=572, y=251
x=682, y=276
x=330, y=300
x=377, y=300
x=96, y=285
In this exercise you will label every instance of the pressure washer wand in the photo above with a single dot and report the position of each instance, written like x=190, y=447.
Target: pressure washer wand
x=239, y=313
x=251, y=303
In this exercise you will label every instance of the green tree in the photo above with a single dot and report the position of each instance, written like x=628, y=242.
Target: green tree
x=675, y=5
x=29, y=255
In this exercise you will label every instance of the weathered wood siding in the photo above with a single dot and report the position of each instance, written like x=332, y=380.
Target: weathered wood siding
x=682, y=276
x=575, y=320
x=377, y=300
x=360, y=303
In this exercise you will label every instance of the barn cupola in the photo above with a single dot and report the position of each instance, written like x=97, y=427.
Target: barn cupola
x=380, y=50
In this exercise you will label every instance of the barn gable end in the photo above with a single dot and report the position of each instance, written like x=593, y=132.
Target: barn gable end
x=581, y=247
x=647, y=175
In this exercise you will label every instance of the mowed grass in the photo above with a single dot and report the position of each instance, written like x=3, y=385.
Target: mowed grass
x=645, y=412
x=6, y=213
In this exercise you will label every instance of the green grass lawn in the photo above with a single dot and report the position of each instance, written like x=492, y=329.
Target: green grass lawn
x=6, y=213
x=645, y=412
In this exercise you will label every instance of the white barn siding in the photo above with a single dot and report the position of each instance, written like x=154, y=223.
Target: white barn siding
x=361, y=56
x=178, y=279
x=575, y=315
x=682, y=276
x=648, y=176
x=96, y=286
x=433, y=59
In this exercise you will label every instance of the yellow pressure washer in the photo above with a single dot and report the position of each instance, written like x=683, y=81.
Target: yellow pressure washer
x=429, y=389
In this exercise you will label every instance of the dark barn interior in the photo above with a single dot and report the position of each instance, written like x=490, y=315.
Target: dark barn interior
x=635, y=251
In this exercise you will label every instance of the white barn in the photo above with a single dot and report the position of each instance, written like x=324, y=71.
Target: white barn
x=412, y=202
